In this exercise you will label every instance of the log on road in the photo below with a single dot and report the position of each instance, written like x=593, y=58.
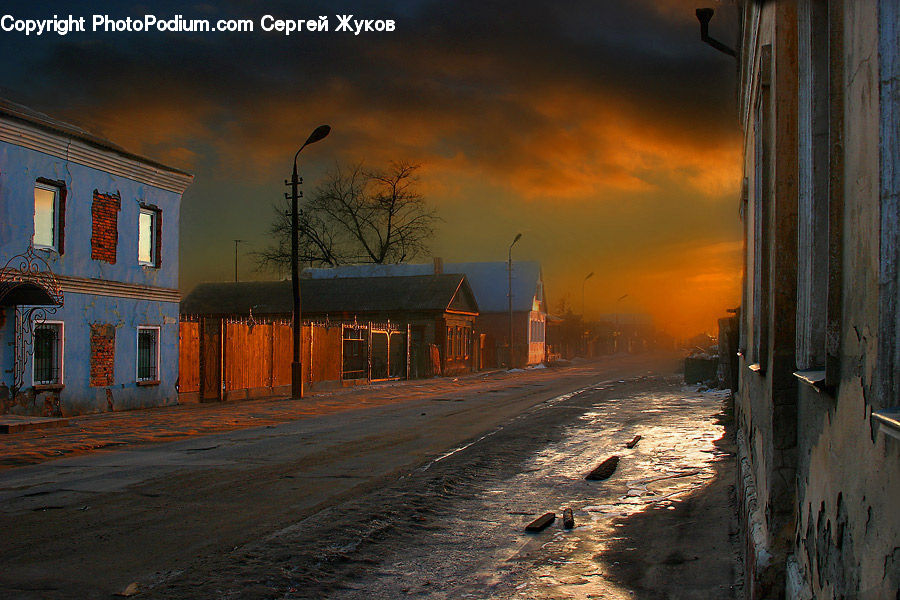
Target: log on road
x=541, y=523
x=604, y=470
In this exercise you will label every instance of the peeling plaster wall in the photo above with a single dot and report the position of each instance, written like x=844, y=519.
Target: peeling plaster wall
x=848, y=489
x=833, y=529
x=19, y=168
x=766, y=403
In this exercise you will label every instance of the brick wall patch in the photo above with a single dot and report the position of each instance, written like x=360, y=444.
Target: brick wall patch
x=103, y=355
x=105, y=227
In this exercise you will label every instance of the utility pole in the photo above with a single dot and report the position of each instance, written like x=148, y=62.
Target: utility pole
x=509, y=295
x=296, y=328
x=583, y=319
x=236, y=242
x=617, y=333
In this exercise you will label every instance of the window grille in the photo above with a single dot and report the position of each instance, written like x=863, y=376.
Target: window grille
x=148, y=347
x=46, y=354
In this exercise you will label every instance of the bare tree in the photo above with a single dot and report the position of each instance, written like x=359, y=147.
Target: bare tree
x=356, y=216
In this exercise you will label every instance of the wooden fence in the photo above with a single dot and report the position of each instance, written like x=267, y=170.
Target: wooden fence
x=225, y=359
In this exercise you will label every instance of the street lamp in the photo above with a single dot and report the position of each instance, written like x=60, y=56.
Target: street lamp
x=296, y=370
x=583, y=319
x=589, y=275
x=617, y=332
x=236, y=242
x=509, y=295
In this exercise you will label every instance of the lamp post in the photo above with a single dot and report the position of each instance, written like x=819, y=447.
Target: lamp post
x=236, y=242
x=509, y=296
x=296, y=369
x=622, y=297
x=583, y=319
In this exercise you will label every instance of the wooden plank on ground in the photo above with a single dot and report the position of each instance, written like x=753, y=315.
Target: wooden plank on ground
x=633, y=442
x=604, y=470
x=541, y=523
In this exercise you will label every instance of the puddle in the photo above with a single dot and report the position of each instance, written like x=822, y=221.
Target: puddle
x=488, y=554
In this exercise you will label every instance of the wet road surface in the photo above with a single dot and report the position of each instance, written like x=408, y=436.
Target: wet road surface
x=426, y=499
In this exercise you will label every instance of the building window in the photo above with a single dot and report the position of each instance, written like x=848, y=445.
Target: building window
x=47, y=216
x=813, y=209
x=889, y=267
x=148, y=354
x=537, y=332
x=149, y=237
x=762, y=198
x=48, y=353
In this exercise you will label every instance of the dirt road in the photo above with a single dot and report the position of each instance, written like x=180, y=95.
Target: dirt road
x=420, y=498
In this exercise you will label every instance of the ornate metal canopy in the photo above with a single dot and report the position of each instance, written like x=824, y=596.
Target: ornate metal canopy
x=28, y=284
x=26, y=279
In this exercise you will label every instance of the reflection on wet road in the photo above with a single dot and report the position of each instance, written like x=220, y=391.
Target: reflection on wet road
x=474, y=545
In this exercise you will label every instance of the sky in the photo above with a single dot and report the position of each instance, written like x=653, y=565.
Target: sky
x=604, y=131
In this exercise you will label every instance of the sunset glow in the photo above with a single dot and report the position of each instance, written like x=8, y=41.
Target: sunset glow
x=531, y=121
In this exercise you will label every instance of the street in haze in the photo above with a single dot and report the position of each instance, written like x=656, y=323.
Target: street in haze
x=425, y=494
x=450, y=300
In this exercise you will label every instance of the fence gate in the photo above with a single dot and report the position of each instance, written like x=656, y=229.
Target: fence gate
x=390, y=353
x=355, y=356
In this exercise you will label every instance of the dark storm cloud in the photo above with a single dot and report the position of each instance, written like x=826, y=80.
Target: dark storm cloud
x=461, y=57
x=606, y=123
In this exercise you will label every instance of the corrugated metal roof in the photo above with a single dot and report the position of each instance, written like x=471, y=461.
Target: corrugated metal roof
x=357, y=295
x=488, y=279
x=12, y=110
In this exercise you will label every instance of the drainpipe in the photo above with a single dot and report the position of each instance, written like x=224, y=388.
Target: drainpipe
x=705, y=15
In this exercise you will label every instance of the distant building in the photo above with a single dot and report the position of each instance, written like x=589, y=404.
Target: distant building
x=88, y=271
x=818, y=407
x=440, y=310
x=623, y=332
x=490, y=282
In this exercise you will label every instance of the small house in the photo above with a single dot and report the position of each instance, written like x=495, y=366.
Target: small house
x=439, y=312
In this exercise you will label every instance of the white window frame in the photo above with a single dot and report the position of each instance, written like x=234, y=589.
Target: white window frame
x=54, y=218
x=137, y=352
x=60, y=352
x=154, y=224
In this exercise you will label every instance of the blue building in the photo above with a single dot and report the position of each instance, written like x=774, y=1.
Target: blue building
x=88, y=271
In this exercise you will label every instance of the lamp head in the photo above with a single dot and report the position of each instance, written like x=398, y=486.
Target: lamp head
x=518, y=237
x=320, y=132
x=589, y=275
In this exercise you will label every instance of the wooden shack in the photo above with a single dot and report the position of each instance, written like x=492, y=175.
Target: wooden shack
x=392, y=327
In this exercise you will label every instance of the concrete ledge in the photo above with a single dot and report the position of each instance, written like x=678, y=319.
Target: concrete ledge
x=888, y=421
x=15, y=423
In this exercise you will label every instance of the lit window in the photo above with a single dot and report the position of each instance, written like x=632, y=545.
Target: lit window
x=148, y=222
x=46, y=209
x=48, y=347
x=148, y=354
